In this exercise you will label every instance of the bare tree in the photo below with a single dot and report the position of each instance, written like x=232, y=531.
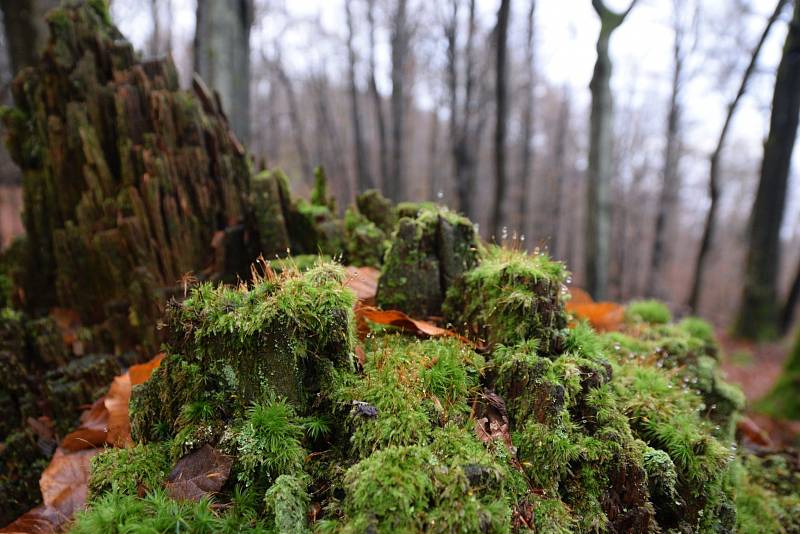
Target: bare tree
x=758, y=312
x=709, y=229
x=294, y=116
x=501, y=110
x=527, y=124
x=25, y=29
x=395, y=186
x=598, y=212
x=377, y=100
x=670, y=176
x=364, y=177
x=222, y=56
x=559, y=176
x=789, y=307
x=329, y=139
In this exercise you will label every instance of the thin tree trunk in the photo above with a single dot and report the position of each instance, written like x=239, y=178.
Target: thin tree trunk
x=709, y=229
x=364, y=178
x=465, y=136
x=598, y=211
x=670, y=176
x=789, y=307
x=297, y=123
x=25, y=30
x=155, y=38
x=395, y=188
x=331, y=137
x=758, y=314
x=501, y=110
x=560, y=152
x=377, y=100
x=525, y=181
x=434, y=187
x=222, y=56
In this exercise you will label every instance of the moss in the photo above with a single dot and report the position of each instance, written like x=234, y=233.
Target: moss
x=782, y=401
x=365, y=242
x=132, y=471
x=21, y=464
x=287, y=501
x=116, y=513
x=511, y=297
x=231, y=347
x=377, y=209
x=648, y=311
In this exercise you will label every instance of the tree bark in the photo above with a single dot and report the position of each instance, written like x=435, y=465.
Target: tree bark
x=501, y=110
x=525, y=180
x=598, y=210
x=222, y=56
x=709, y=228
x=670, y=176
x=364, y=177
x=758, y=314
x=294, y=118
x=395, y=188
x=25, y=29
x=789, y=307
x=377, y=100
x=560, y=153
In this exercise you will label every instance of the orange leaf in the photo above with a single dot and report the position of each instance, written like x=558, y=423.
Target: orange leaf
x=40, y=520
x=141, y=372
x=64, y=482
x=364, y=282
x=401, y=320
x=579, y=296
x=603, y=316
x=93, y=430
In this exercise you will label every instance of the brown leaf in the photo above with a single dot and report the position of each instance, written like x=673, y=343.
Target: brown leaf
x=118, y=398
x=603, y=316
x=401, y=320
x=199, y=473
x=361, y=356
x=491, y=419
x=93, y=430
x=750, y=429
x=64, y=481
x=40, y=520
x=364, y=283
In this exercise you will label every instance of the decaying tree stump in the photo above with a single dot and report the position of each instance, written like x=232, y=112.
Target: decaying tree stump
x=126, y=177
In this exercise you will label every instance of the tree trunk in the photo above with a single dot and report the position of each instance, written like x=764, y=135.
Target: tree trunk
x=670, y=176
x=525, y=181
x=364, y=178
x=434, y=177
x=709, y=229
x=789, y=307
x=395, y=188
x=222, y=56
x=501, y=110
x=25, y=29
x=560, y=153
x=377, y=100
x=463, y=132
x=601, y=122
x=297, y=123
x=154, y=43
x=330, y=139
x=758, y=315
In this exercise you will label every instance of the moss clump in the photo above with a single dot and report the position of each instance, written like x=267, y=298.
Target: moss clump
x=231, y=347
x=783, y=401
x=648, y=311
x=377, y=209
x=511, y=297
x=22, y=461
x=366, y=243
x=287, y=501
x=115, y=513
x=431, y=248
x=133, y=471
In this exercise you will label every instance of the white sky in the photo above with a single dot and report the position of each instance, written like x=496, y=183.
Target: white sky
x=565, y=39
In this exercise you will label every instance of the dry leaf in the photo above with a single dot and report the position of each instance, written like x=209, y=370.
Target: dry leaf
x=64, y=481
x=603, y=316
x=401, y=320
x=199, y=474
x=40, y=520
x=141, y=372
x=364, y=283
x=750, y=429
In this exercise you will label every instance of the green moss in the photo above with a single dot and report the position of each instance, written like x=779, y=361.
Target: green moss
x=511, y=297
x=783, y=401
x=365, y=242
x=117, y=513
x=130, y=471
x=377, y=209
x=648, y=311
x=287, y=501
x=267, y=443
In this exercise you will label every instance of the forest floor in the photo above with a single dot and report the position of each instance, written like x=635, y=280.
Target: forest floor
x=755, y=367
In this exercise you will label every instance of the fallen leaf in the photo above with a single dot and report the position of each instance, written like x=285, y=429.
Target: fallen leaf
x=64, y=482
x=491, y=419
x=603, y=316
x=199, y=474
x=141, y=372
x=750, y=429
x=93, y=429
x=364, y=283
x=40, y=520
x=68, y=322
x=118, y=398
x=361, y=356
x=579, y=296
x=401, y=320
